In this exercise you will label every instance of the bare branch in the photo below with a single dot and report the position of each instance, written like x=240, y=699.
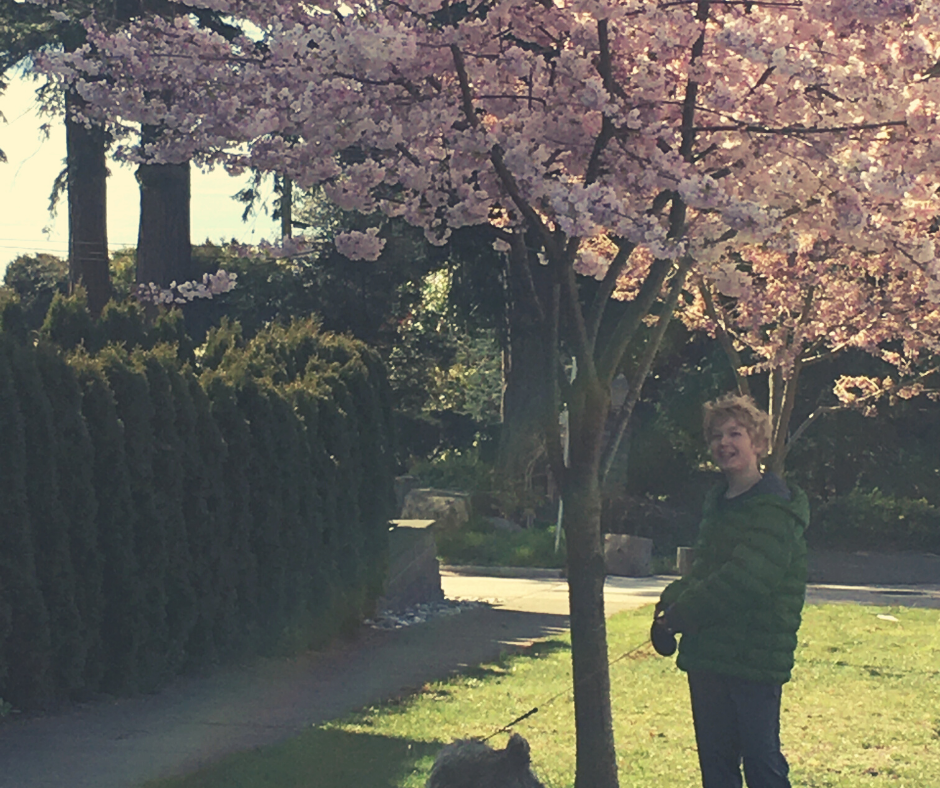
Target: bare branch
x=763, y=78
x=583, y=348
x=553, y=446
x=758, y=3
x=724, y=338
x=606, y=290
x=800, y=131
x=643, y=368
x=623, y=334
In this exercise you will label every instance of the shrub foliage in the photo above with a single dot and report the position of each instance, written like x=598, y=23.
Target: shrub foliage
x=161, y=514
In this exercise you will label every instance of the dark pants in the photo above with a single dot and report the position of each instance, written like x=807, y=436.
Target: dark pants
x=737, y=720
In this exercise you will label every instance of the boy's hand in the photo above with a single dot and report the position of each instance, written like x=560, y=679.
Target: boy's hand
x=664, y=642
x=674, y=621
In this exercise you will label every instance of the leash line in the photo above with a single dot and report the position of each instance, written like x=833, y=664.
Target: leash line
x=557, y=695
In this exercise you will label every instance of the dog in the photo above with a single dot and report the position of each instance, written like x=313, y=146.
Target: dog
x=468, y=763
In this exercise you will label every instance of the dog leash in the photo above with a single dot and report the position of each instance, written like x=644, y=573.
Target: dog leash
x=535, y=709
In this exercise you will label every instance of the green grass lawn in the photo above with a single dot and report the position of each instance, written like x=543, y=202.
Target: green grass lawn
x=863, y=710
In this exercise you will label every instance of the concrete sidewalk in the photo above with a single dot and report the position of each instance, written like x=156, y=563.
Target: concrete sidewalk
x=194, y=721
x=538, y=591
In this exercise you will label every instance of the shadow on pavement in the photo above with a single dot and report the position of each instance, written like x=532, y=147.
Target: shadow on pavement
x=320, y=758
x=198, y=720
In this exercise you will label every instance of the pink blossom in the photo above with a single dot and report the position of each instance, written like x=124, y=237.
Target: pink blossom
x=360, y=246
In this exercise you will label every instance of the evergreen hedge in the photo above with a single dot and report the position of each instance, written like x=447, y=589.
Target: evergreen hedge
x=161, y=513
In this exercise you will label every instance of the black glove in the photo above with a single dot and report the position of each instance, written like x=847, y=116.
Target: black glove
x=662, y=638
x=675, y=622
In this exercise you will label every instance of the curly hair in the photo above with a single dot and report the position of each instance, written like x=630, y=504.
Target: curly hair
x=745, y=412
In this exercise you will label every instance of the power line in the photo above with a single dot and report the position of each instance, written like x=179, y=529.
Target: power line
x=36, y=241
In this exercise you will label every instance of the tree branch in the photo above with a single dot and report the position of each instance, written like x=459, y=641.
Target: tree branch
x=643, y=368
x=824, y=409
x=800, y=131
x=519, y=260
x=610, y=357
x=497, y=157
x=724, y=338
x=781, y=446
x=583, y=349
x=606, y=290
x=553, y=447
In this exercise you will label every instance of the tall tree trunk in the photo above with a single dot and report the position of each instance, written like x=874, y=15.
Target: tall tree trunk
x=596, y=765
x=87, y=203
x=164, y=250
x=287, y=207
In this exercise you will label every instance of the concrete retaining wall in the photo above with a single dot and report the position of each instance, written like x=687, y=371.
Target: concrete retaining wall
x=413, y=571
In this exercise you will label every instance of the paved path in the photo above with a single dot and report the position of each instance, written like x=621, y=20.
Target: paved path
x=546, y=591
x=123, y=743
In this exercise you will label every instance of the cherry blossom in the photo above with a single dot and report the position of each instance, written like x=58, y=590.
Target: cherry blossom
x=184, y=292
x=775, y=150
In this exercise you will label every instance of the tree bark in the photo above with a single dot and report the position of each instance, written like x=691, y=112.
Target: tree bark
x=164, y=250
x=287, y=207
x=87, y=206
x=528, y=374
x=596, y=764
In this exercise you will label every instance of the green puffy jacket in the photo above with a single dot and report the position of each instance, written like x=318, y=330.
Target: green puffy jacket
x=745, y=591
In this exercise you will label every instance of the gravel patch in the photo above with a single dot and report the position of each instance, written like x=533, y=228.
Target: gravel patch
x=420, y=614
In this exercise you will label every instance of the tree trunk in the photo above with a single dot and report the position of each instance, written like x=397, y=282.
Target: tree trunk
x=87, y=204
x=164, y=251
x=287, y=207
x=596, y=757
x=527, y=398
x=528, y=376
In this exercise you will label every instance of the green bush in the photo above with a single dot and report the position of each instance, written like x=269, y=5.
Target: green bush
x=236, y=628
x=13, y=319
x=25, y=638
x=205, y=515
x=167, y=518
x=481, y=544
x=122, y=620
x=69, y=324
x=871, y=520
x=49, y=522
x=74, y=465
x=455, y=470
x=123, y=323
x=33, y=280
x=168, y=459
x=136, y=411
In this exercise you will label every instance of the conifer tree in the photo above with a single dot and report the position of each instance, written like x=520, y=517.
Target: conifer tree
x=267, y=506
x=49, y=523
x=123, y=621
x=237, y=578
x=25, y=641
x=209, y=519
x=74, y=462
x=169, y=480
x=136, y=412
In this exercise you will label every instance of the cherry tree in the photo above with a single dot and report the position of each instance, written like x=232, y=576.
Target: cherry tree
x=634, y=141
x=777, y=314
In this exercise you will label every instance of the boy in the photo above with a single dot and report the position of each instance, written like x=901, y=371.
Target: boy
x=739, y=608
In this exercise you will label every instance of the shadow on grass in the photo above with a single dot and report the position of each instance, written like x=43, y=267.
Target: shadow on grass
x=491, y=671
x=499, y=667
x=320, y=758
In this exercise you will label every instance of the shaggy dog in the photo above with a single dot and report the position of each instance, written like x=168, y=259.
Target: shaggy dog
x=472, y=764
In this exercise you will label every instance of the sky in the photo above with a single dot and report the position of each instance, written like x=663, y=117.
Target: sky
x=34, y=160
